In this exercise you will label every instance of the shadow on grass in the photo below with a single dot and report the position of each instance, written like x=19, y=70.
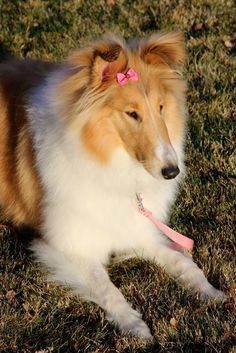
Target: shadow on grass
x=5, y=54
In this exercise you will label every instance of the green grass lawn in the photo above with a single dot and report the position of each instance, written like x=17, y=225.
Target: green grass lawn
x=38, y=317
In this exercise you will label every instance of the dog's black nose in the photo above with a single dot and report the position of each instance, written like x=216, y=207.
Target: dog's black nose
x=170, y=172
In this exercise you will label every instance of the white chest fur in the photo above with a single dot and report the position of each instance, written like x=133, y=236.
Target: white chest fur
x=93, y=208
x=88, y=207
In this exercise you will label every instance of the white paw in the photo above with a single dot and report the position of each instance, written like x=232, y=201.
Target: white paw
x=137, y=328
x=129, y=321
x=194, y=279
x=210, y=292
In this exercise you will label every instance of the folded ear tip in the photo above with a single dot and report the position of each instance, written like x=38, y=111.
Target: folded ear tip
x=109, y=57
x=110, y=53
x=173, y=37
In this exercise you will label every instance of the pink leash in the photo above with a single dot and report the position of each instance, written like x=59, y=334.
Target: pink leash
x=176, y=237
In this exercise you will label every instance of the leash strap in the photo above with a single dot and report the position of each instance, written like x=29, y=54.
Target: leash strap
x=176, y=237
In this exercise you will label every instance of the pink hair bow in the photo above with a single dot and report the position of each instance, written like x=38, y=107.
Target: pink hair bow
x=129, y=75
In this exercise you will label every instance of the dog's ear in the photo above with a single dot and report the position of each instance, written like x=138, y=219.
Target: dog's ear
x=109, y=59
x=102, y=61
x=165, y=48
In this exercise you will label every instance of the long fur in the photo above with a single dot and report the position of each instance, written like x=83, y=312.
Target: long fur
x=73, y=156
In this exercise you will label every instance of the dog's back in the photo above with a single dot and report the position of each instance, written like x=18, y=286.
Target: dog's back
x=20, y=192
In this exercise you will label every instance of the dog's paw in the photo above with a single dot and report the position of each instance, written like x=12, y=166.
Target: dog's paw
x=130, y=322
x=211, y=292
x=137, y=328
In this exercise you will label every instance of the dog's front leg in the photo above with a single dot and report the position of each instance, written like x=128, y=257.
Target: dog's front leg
x=182, y=267
x=89, y=279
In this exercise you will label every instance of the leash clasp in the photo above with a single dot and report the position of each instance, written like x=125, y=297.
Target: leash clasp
x=140, y=202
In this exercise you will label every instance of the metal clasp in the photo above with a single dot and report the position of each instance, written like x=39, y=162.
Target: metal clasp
x=139, y=201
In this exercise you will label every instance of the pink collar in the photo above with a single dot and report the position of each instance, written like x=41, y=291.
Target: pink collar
x=177, y=238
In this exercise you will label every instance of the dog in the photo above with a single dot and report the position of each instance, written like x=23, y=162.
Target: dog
x=79, y=141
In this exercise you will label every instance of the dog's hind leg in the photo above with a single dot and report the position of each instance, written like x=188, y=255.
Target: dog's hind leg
x=182, y=267
x=90, y=280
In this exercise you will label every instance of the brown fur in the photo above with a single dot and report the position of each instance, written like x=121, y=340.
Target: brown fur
x=165, y=48
x=20, y=192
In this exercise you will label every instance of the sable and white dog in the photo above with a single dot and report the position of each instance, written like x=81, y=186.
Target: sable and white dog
x=79, y=140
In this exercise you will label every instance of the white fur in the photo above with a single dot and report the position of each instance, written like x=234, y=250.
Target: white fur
x=165, y=153
x=90, y=212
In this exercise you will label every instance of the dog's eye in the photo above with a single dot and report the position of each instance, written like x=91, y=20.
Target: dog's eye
x=133, y=115
x=161, y=108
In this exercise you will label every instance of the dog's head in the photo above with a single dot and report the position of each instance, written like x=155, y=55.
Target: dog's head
x=132, y=96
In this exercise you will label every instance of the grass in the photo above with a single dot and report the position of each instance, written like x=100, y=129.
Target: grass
x=38, y=317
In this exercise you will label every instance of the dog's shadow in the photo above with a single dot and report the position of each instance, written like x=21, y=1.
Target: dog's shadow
x=5, y=53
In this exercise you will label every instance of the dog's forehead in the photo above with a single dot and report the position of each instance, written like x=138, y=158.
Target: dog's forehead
x=147, y=87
